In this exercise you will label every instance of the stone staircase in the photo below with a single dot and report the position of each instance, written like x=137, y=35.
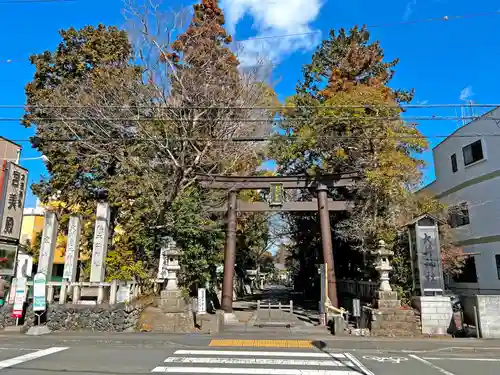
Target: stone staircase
x=154, y=319
x=396, y=322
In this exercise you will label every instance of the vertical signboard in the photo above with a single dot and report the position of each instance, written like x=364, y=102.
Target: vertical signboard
x=429, y=259
x=12, y=204
x=20, y=296
x=48, y=245
x=323, y=272
x=72, y=249
x=162, y=265
x=100, y=248
x=202, y=300
x=24, y=265
x=39, y=292
x=2, y=176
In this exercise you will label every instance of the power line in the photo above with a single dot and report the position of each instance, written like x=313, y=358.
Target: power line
x=35, y=1
x=392, y=24
x=259, y=139
x=339, y=106
x=348, y=118
x=400, y=23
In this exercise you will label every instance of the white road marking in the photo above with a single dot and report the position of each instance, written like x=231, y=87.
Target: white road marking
x=259, y=361
x=462, y=359
x=361, y=366
x=28, y=357
x=432, y=365
x=249, y=371
x=385, y=359
x=237, y=353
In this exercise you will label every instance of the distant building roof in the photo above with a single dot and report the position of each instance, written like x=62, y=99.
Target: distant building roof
x=38, y=210
x=8, y=140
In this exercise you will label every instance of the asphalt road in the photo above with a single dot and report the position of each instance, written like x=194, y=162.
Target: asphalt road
x=145, y=353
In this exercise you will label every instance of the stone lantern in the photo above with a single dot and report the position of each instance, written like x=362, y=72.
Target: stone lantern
x=172, y=255
x=383, y=266
x=387, y=298
x=171, y=299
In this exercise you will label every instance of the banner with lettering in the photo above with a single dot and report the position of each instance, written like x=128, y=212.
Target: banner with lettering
x=12, y=201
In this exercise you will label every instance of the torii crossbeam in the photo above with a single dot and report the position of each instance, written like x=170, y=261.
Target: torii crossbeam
x=277, y=184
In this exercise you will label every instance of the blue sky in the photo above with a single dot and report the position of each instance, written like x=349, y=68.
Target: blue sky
x=439, y=59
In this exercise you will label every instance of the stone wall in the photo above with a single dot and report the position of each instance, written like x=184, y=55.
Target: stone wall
x=117, y=318
x=488, y=308
x=436, y=314
x=395, y=322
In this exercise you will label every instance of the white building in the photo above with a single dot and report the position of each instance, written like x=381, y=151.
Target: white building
x=467, y=166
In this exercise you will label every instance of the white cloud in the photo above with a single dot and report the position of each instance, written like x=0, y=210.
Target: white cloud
x=272, y=18
x=466, y=93
x=409, y=9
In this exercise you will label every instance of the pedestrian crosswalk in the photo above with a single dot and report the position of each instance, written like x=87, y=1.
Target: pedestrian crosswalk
x=32, y=355
x=259, y=363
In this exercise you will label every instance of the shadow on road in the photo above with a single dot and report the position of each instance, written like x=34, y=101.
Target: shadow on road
x=321, y=346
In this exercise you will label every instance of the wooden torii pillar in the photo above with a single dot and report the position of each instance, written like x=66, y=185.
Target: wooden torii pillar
x=322, y=205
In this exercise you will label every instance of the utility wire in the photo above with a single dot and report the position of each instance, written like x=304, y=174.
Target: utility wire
x=334, y=118
x=253, y=139
x=424, y=20
x=392, y=24
x=338, y=106
x=17, y=2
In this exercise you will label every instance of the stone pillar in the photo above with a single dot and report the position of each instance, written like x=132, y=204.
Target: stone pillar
x=48, y=245
x=113, y=292
x=387, y=298
x=162, y=265
x=76, y=293
x=63, y=293
x=72, y=249
x=100, y=249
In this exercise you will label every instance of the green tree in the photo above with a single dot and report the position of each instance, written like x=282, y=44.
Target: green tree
x=139, y=137
x=33, y=249
x=347, y=120
x=79, y=174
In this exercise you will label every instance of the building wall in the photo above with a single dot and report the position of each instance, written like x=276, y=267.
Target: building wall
x=478, y=185
x=9, y=151
x=32, y=224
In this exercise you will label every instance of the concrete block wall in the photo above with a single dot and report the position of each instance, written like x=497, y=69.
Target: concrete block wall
x=436, y=314
x=489, y=316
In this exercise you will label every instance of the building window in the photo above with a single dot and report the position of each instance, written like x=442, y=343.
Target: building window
x=458, y=216
x=473, y=152
x=469, y=273
x=454, y=166
x=497, y=259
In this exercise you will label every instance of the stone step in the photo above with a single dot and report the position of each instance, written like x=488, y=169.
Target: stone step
x=153, y=319
x=396, y=322
x=397, y=333
x=397, y=325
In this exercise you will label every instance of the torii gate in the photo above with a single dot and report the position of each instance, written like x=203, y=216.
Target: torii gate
x=277, y=185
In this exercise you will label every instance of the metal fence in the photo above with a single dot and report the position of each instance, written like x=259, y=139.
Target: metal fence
x=365, y=290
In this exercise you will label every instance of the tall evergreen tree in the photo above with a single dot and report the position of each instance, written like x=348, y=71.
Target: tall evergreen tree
x=347, y=119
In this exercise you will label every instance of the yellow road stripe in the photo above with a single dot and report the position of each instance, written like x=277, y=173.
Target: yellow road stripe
x=262, y=343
